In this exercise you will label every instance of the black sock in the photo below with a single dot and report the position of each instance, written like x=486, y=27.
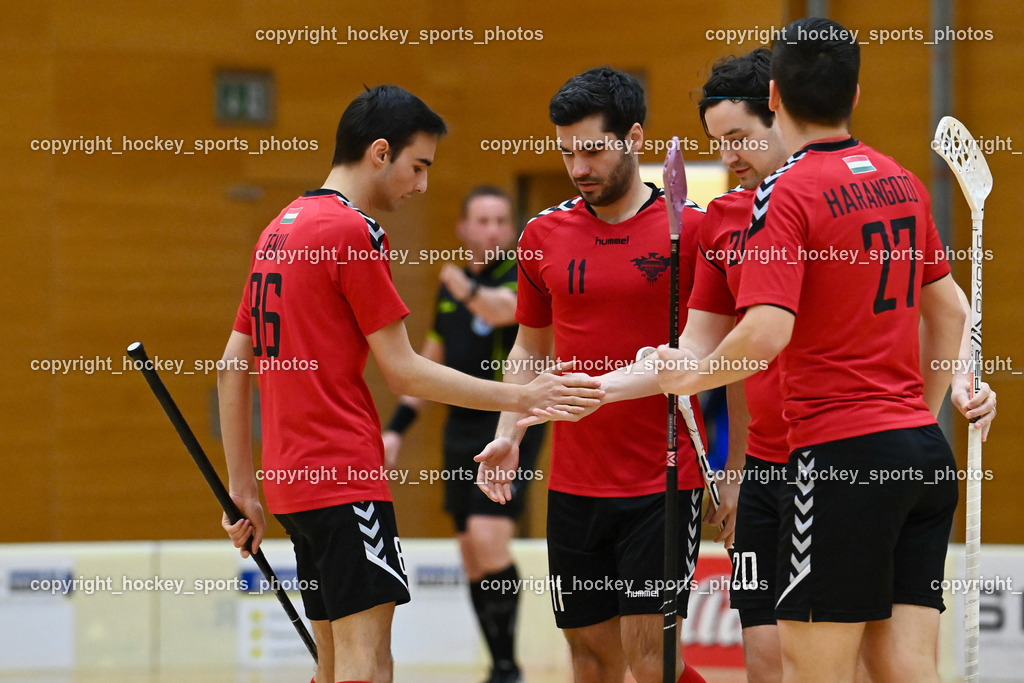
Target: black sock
x=496, y=611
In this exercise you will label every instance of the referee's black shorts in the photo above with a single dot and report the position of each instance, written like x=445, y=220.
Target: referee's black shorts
x=865, y=525
x=462, y=497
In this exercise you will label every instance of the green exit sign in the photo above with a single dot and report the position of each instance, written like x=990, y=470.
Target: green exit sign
x=244, y=98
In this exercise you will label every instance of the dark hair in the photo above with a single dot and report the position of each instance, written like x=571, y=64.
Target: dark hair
x=742, y=79
x=483, y=191
x=387, y=112
x=615, y=94
x=815, y=64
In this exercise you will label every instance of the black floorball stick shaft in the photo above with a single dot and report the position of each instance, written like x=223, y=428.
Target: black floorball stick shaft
x=674, y=179
x=671, y=594
x=145, y=366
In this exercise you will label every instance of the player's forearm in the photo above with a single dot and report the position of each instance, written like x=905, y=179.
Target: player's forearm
x=432, y=350
x=940, y=341
x=413, y=402
x=747, y=349
x=522, y=367
x=425, y=379
x=943, y=320
x=638, y=380
x=408, y=373
x=739, y=423
x=963, y=370
x=496, y=306
x=234, y=396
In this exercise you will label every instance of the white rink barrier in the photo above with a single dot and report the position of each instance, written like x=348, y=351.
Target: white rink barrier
x=169, y=605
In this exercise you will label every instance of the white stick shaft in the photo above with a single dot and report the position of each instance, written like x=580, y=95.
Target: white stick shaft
x=972, y=531
x=698, y=444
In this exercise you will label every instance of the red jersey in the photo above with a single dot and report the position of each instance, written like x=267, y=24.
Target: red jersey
x=605, y=290
x=854, y=242
x=715, y=286
x=319, y=284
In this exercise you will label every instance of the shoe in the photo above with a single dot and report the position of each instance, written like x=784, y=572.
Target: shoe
x=505, y=674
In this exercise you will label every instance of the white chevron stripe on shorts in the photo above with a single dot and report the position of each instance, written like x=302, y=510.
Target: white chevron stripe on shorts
x=373, y=546
x=803, y=517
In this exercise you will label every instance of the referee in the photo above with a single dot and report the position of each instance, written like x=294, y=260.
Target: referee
x=474, y=329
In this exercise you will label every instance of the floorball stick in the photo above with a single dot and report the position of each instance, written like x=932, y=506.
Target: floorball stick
x=674, y=180
x=145, y=365
x=954, y=143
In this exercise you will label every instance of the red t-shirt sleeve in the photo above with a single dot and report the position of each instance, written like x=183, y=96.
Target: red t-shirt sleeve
x=936, y=266
x=366, y=283
x=243, y=318
x=533, y=299
x=782, y=226
x=710, y=285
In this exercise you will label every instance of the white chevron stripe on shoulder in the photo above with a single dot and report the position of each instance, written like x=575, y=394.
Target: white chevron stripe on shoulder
x=738, y=188
x=567, y=205
x=689, y=204
x=376, y=231
x=764, y=191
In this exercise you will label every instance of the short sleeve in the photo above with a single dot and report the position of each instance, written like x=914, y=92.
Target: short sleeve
x=366, y=283
x=710, y=285
x=533, y=300
x=779, y=228
x=936, y=265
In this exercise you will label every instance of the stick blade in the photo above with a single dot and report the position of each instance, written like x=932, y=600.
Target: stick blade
x=673, y=177
x=954, y=143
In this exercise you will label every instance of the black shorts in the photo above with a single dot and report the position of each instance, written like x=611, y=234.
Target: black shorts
x=756, y=545
x=463, y=498
x=606, y=556
x=849, y=551
x=348, y=558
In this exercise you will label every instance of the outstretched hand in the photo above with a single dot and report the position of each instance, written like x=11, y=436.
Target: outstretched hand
x=562, y=393
x=556, y=414
x=498, y=463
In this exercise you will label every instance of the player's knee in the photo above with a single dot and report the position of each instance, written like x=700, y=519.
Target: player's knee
x=586, y=650
x=763, y=665
x=898, y=666
x=489, y=555
x=646, y=667
x=383, y=666
x=762, y=655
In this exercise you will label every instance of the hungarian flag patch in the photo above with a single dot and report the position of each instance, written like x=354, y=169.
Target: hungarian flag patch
x=292, y=214
x=859, y=164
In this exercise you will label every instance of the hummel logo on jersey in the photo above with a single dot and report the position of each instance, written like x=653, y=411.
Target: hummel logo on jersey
x=603, y=241
x=652, y=266
x=859, y=163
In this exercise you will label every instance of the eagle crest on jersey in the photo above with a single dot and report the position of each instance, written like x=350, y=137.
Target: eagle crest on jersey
x=652, y=266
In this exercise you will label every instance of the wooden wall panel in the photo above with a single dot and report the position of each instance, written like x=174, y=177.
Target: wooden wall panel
x=154, y=246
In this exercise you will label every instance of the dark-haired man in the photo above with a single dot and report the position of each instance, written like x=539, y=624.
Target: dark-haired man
x=474, y=329
x=734, y=111
x=595, y=291
x=858, y=564
x=318, y=298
